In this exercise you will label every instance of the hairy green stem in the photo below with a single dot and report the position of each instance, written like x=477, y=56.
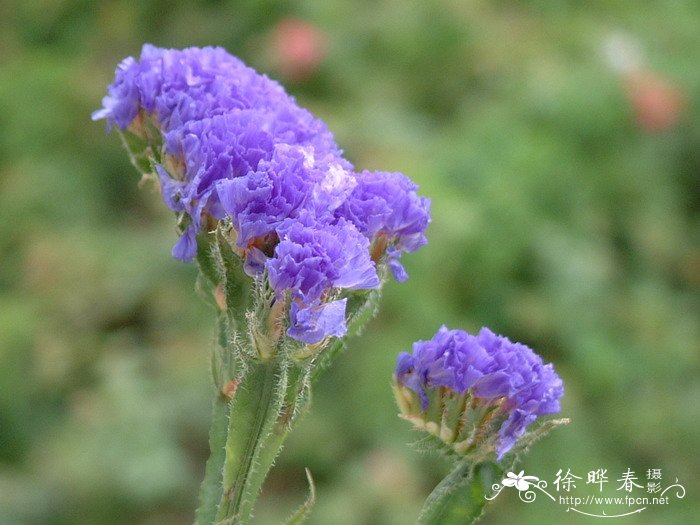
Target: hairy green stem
x=253, y=440
x=223, y=369
x=262, y=384
x=459, y=499
x=210, y=491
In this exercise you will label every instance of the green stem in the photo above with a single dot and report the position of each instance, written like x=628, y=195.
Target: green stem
x=254, y=440
x=210, y=491
x=223, y=368
x=459, y=499
x=267, y=389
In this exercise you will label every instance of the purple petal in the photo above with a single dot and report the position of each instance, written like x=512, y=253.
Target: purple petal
x=170, y=189
x=397, y=270
x=313, y=324
x=186, y=247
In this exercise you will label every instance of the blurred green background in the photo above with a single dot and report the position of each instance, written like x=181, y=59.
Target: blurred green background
x=565, y=215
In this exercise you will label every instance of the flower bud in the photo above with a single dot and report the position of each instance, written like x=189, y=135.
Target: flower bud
x=477, y=394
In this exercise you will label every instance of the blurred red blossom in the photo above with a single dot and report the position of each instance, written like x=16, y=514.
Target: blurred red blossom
x=658, y=104
x=299, y=47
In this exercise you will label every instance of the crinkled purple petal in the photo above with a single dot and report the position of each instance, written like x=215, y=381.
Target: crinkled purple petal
x=186, y=247
x=494, y=385
x=261, y=200
x=254, y=263
x=315, y=323
x=310, y=260
x=170, y=189
x=397, y=270
x=386, y=205
x=407, y=375
x=512, y=430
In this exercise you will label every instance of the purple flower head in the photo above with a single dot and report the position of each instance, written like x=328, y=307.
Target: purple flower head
x=312, y=259
x=228, y=144
x=309, y=262
x=220, y=119
x=180, y=86
x=453, y=359
x=489, y=368
x=386, y=208
x=290, y=184
x=122, y=103
x=213, y=149
x=183, y=85
x=261, y=200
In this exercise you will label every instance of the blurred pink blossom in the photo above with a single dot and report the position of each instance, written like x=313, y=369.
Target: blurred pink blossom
x=658, y=104
x=299, y=47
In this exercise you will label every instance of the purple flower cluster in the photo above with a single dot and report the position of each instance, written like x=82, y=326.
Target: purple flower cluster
x=386, y=206
x=237, y=147
x=489, y=367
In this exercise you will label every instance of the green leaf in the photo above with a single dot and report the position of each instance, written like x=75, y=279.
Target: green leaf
x=237, y=284
x=298, y=393
x=207, y=260
x=302, y=512
x=459, y=499
x=362, y=307
x=533, y=435
x=140, y=153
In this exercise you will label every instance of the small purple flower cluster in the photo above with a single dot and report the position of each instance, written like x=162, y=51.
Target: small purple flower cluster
x=237, y=147
x=488, y=367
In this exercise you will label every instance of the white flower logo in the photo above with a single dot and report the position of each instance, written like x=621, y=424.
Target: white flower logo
x=519, y=481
